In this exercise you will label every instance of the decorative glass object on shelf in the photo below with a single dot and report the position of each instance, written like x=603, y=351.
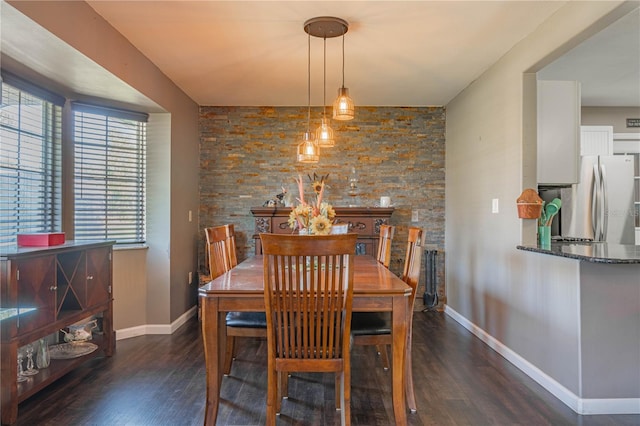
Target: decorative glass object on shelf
x=31, y=370
x=43, y=359
x=288, y=198
x=72, y=350
x=353, y=188
x=80, y=332
x=21, y=377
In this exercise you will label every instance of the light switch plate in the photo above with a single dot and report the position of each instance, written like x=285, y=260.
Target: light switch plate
x=495, y=206
x=414, y=215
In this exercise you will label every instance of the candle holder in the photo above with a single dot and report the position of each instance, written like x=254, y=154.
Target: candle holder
x=353, y=188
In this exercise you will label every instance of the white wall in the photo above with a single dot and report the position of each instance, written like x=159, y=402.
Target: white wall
x=515, y=298
x=158, y=262
x=611, y=116
x=129, y=288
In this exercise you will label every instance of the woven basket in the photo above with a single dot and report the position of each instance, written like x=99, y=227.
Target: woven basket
x=529, y=210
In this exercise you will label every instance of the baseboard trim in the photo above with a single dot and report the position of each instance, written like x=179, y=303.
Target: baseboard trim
x=142, y=330
x=579, y=405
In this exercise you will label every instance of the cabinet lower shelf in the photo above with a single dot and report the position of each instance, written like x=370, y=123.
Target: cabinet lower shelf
x=57, y=368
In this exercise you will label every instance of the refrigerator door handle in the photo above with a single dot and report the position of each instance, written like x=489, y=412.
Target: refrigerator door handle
x=605, y=202
x=595, y=203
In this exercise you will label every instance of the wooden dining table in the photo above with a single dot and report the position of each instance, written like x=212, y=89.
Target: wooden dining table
x=376, y=289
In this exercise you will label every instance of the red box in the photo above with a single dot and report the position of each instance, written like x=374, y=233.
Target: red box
x=41, y=239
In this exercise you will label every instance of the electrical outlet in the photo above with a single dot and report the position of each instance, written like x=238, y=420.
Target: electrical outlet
x=414, y=215
x=190, y=277
x=495, y=205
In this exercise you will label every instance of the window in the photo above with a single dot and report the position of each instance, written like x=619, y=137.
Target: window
x=30, y=160
x=110, y=170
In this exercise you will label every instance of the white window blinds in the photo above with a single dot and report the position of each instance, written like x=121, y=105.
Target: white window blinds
x=30, y=160
x=110, y=171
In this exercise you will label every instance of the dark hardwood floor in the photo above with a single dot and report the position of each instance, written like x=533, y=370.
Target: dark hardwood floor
x=159, y=380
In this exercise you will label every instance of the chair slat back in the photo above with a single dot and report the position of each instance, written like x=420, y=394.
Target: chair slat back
x=384, y=244
x=230, y=243
x=413, y=262
x=308, y=289
x=221, y=249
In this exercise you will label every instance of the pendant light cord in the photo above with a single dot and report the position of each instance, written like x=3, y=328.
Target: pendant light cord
x=343, y=59
x=309, y=82
x=324, y=84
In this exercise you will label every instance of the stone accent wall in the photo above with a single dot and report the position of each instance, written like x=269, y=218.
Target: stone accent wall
x=247, y=154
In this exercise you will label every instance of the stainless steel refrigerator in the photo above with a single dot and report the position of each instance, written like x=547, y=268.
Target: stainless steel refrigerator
x=600, y=206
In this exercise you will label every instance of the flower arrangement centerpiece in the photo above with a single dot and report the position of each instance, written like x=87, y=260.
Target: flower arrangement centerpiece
x=313, y=216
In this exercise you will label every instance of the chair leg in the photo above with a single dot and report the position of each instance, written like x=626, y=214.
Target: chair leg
x=228, y=356
x=382, y=351
x=285, y=385
x=345, y=396
x=272, y=393
x=283, y=389
x=338, y=392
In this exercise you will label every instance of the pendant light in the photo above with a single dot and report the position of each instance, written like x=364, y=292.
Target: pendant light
x=343, y=108
x=308, y=150
x=326, y=27
x=324, y=133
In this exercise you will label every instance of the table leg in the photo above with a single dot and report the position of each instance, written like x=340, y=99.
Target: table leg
x=399, y=331
x=210, y=338
x=222, y=344
x=408, y=365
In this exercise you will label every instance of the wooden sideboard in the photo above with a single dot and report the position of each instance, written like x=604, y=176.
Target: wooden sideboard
x=365, y=221
x=66, y=284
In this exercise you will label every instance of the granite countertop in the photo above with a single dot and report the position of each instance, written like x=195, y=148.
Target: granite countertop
x=597, y=252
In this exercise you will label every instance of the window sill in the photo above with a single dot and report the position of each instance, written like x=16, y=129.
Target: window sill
x=119, y=247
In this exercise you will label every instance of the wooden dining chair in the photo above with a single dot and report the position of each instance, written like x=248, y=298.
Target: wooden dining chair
x=308, y=293
x=384, y=244
x=221, y=249
x=372, y=328
x=387, y=233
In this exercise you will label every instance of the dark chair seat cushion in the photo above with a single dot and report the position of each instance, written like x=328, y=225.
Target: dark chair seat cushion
x=246, y=319
x=363, y=323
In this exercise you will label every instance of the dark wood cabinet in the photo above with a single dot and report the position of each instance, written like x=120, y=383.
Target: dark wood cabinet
x=365, y=221
x=98, y=283
x=46, y=289
x=34, y=281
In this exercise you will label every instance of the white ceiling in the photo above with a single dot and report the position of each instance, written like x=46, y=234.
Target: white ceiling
x=607, y=65
x=254, y=53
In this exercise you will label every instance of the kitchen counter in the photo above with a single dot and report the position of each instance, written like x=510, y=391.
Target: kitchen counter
x=591, y=318
x=597, y=252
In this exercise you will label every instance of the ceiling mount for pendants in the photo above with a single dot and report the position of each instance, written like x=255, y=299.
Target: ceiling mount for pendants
x=329, y=27
x=326, y=27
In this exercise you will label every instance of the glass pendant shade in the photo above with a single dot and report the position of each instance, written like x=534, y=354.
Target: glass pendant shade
x=308, y=150
x=324, y=134
x=343, y=107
